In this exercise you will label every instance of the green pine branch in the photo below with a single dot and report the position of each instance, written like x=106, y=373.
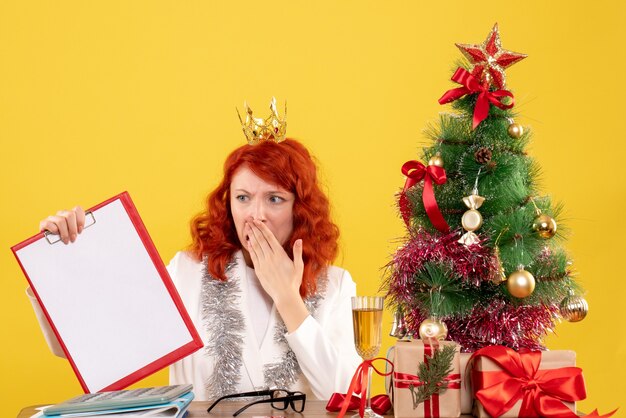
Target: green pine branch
x=440, y=292
x=432, y=374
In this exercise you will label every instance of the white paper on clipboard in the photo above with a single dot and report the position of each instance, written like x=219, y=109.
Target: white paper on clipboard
x=109, y=299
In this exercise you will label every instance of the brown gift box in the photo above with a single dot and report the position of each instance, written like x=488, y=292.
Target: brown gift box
x=467, y=397
x=549, y=360
x=407, y=357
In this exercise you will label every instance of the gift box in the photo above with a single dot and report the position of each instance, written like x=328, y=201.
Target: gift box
x=467, y=397
x=407, y=356
x=506, y=383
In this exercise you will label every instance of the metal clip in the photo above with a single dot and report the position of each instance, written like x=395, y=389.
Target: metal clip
x=90, y=219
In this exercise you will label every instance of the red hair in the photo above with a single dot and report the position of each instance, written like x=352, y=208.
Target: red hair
x=289, y=165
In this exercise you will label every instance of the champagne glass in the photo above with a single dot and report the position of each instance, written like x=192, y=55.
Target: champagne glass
x=367, y=316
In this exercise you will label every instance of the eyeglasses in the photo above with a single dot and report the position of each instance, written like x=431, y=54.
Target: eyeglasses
x=279, y=398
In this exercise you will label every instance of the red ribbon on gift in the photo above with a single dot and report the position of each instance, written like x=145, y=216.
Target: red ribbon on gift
x=415, y=172
x=485, y=97
x=381, y=404
x=404, y=380
x=358, y=385
x=542, y=391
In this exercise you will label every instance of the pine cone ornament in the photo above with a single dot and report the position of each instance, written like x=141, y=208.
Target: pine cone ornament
x=482, y=155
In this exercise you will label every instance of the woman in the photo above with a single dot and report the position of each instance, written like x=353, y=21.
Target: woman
x=257, y=280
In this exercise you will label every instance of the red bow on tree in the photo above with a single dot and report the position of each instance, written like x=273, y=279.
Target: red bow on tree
x=485, y=97
x=415, y=172
x=542, y=391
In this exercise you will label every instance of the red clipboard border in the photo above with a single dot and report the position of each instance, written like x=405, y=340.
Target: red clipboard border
x=195, y=343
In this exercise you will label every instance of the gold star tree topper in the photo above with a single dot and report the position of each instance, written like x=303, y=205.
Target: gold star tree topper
x=272, y=128
x=489, y=59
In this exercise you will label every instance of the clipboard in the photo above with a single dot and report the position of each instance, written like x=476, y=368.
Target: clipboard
x=109, y=298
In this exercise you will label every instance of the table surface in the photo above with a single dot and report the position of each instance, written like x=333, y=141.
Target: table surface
x=313, y=408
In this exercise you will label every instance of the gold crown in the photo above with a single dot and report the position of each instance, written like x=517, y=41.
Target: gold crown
x=257, y=130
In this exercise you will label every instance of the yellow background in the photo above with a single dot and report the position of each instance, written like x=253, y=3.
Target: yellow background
x=101, y=97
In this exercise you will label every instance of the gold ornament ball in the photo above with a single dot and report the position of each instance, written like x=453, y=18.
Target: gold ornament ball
x=433, y=329
x=574, y=308
x=436, y=160
x=520, y=283
x=544, y=226
x=516, y=130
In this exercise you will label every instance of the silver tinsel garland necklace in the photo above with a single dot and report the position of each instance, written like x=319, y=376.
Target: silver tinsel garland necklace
x=225, y=326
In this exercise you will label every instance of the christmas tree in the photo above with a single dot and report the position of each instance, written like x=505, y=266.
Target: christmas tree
x=483, y=262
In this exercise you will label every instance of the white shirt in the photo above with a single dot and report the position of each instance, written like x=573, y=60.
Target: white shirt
x=260, y=307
